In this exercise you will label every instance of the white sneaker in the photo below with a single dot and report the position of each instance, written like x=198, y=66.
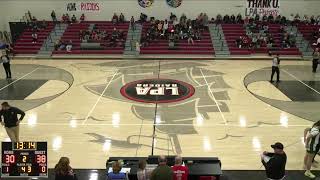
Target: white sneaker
x=309, y=174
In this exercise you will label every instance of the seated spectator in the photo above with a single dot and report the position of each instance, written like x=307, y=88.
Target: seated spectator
x=183, y=18
x=257, y=18
x=312, y=20
x=283, y=20
x=63, y=170
x=270, y=18
x=82, y=18
x=275, y=162
x=115, y=19
x=143, y=173
x=116, y=173
x=226, y=19
x=163, y=171
x=232, y=19
x=264, y=18
x=190, y=36
x=180, y=172
x=277, y=19
x=73, y=19
x=62, y=46
x=219, y=19
x=165, y=27
x=43, y=24
x=63, y=18
x=173, y=17
x=143, y=17
x=69, y=46
x=297, y=18
x=68, y=18
x=306, y=19
x=34, y=37
x=205, y=20
x=57, y=44
x=121, y=18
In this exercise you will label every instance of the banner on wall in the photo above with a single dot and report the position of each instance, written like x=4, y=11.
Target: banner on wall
x=262, y=7
x=84, y=7
x=145, y=3
x=174, y=3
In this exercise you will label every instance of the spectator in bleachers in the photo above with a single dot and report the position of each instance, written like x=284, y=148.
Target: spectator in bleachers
x=183, y=18
x=43, y=24
x=73, y=19
x=226, y=19
x=312, y=20
x=205, y=20
x=57, y=44
x=165, y=27
x=232, y=19
x=69, y=46
x=257, y=18
x=116, y=173
x=121, y=18
x=115, y=19
x=306, y=19
x=132, y=23
x=219, y=19
x=143, y=17
x=63, y=170
x=68, y=18
x=270, y=18
x=34, y=37
x=264, y=18
x=53, y=16
x=63, y=18
x=180, y=172
x=163, y=171
x=173, y=17
x=190, y=35
x=239, y=19
x=143, y=173
x=82, y=18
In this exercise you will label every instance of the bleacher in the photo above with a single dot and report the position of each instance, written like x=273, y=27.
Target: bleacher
x=72, y=33
x=231, y=33
x=161, y=46
x=307, y=31
x=24, y=44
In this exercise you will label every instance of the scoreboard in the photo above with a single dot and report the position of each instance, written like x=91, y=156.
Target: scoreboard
x=24, y=159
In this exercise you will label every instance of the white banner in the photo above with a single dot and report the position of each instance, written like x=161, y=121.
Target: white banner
x=262, y=7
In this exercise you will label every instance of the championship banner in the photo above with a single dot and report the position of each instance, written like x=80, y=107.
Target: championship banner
x=262, y=7
x=84, y=7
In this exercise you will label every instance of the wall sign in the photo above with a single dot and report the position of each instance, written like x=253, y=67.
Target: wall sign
x=262, y=7
x=174, y=3
x=157, y=90
x=84, y=7
x=145, y=3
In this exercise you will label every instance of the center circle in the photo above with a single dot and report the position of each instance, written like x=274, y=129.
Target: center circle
x=157, y=90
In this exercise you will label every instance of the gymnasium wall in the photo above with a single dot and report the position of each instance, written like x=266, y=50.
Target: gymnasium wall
x=13, y=10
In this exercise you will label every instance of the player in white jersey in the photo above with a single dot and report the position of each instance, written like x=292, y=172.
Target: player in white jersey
x=312, y=143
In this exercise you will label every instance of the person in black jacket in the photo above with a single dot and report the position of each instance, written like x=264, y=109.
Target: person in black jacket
x=63, y=170
x=6, y=65
x=9, y=119
x=275, y=163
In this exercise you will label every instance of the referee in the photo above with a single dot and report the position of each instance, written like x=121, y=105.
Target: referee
x=6, y=65
x=315, y=61
x=275, y=68
x=9, y=119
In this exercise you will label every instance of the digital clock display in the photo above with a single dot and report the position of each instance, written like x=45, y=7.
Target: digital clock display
x=24, y=159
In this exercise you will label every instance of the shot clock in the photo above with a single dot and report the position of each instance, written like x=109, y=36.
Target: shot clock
x=24, y=159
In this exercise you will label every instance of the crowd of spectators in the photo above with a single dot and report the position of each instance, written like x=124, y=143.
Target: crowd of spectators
x=174, y=29
x=63, y=45
x=113, y=39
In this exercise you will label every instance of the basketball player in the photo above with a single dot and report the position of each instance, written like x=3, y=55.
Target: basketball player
x=315, y=61
x=275, y=68
x=9, y=119
x=312, y=147
x=6, y=65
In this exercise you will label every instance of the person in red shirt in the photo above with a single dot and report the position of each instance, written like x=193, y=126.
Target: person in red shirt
x=82, y=18
x=180, y=172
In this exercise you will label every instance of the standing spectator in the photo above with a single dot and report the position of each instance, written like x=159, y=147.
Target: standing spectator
x=165, y=27
x=6, y=65
x=121, y=18
x=312, y=144
x=73, y=19
x=190, y=36
x=34, y=37
x=116, y=173
x=143, y=173
x=132, y=23
x=115, y=19
x=53, y=16
x=9, y=119
x=205, y=20
x=63, y=170
x=82, y=18
x=63, y=18
x=275, y=68
x=315, y=61
x=180, y=172
x=275, y=163
x=163, y=171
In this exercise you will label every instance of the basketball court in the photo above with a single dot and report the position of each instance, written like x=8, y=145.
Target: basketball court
x=88, y=111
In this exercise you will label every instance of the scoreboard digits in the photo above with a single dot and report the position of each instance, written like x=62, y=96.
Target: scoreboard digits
x=24, y=159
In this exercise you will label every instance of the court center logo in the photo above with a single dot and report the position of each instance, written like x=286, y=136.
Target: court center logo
x=157, y=90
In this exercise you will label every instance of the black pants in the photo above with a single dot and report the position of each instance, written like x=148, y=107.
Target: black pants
x=314, y=65
x=275, y=70
x=6, y=67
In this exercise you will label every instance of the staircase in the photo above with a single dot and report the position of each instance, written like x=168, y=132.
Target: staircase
x=48, y=45
x=219, y=42
x=301, y=42
x=132, y=37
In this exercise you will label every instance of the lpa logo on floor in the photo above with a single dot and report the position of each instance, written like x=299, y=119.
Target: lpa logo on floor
x=157, y=90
